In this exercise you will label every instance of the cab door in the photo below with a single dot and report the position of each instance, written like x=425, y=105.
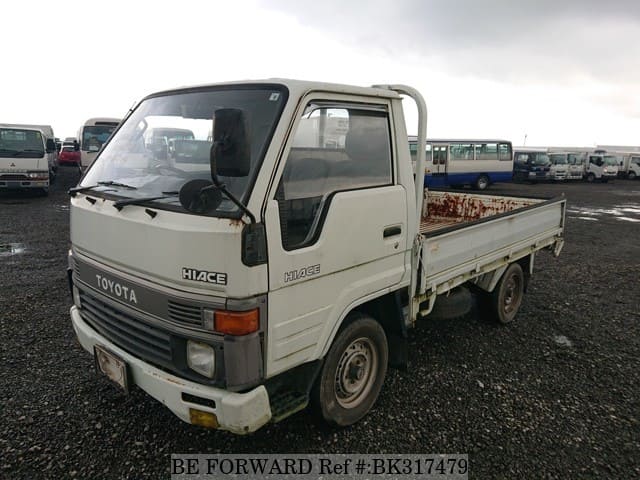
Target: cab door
x=336, y=225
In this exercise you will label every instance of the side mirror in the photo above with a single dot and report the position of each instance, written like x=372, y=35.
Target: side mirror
x=51, y=145
x=76, y=146
x=231, y=150
x=200, y=196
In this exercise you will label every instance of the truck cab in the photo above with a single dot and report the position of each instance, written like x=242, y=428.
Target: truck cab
x=25, y=158
x=530, y=165
x=601, y=166
x=630, y=166
x=559, y=166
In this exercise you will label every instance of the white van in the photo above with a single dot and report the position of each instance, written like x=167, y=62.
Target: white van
x=24, y=158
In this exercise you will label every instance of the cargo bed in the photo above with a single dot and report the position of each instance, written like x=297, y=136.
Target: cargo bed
x=467, y=235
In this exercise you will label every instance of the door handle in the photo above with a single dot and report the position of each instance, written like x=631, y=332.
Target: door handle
x=392, y=231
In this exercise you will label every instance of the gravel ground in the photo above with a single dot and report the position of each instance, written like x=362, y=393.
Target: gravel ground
x=556, y=394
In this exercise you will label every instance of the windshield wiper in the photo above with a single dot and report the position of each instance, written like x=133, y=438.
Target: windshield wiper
x=120, y=204
x=73, y=191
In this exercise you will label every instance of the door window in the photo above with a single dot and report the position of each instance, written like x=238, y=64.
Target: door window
x=335, y=148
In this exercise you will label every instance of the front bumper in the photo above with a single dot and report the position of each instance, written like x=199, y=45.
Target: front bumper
x=239, y=413
x=19, y=184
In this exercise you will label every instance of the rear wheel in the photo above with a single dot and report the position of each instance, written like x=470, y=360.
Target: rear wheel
x=353, y=372
x=507, y=297
x=482, y=182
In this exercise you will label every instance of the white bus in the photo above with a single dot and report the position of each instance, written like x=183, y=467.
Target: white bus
x=92, y=135
x=477, y=163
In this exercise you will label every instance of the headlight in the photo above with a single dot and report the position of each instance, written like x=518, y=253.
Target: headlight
x=38, y=175
x=201, y=358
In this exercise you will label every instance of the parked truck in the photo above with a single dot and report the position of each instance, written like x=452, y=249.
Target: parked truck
x=559, y=169
x=25, y=158
x=601, y=166
x=531, y=164
x=629, y=165
x=285, y=270
x=47, y=134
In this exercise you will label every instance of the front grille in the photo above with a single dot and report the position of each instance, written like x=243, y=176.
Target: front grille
x=127, y=332
x=13, y=177
x=180, y=312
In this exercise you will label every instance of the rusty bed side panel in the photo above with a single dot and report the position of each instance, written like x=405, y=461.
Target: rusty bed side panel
x=445, y=209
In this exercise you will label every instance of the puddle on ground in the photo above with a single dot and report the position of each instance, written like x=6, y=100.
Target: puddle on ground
x=562, y=341
x=8, y=249
x=630, y=193
x=628, y=212
x=61, y=208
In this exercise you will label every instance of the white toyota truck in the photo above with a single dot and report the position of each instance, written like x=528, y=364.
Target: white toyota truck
x=278, y=256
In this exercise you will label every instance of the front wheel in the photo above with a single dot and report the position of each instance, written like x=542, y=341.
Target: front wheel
x=507, y=297
x=591, y=178
x=353, y=372
x=632, y=175
x=482, y=182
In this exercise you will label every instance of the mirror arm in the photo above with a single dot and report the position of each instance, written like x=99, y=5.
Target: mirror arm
x=232, y=197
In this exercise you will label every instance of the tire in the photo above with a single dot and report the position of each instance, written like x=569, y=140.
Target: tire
x=505, y=300
x=591, y=178
x=482, y=182
x=632, y=175
x=353, y=372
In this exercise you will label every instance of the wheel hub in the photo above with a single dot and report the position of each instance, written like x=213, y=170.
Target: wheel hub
x=355, y=374
x=511, y=294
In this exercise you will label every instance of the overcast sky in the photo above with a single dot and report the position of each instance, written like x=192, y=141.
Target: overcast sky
x=564, y=72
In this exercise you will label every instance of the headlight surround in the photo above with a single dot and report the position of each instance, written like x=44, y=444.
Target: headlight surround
x=76, y=297
x=201, y=358
x=38, y=175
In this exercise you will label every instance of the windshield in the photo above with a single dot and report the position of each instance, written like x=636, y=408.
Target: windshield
x=611, y=160
x=541, y=159
x=166, y=142
x=635, y=160
x=93, y=136
x=558, y=159
x=21, y=143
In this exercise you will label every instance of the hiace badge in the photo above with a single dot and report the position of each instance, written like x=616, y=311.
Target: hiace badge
x=192, y=274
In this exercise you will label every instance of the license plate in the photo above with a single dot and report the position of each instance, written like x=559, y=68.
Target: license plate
x=112, y=366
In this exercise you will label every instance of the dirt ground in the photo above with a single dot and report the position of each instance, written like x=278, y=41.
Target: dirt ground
x=556, y=394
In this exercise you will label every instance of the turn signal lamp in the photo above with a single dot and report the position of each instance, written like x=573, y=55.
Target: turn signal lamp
x=237, y=323
x=204, y=419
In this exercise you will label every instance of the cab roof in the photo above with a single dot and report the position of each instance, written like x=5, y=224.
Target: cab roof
x=295, y=87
